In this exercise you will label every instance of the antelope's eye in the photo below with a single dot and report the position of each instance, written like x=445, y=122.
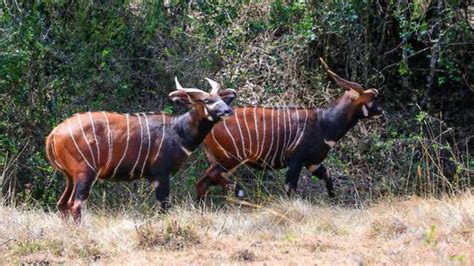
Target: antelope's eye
x=207, y=101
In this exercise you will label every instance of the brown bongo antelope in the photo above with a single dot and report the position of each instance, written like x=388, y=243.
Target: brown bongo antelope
x=102, y=145
x=275, y=138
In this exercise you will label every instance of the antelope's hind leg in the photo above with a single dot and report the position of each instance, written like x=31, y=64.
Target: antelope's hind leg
x=220, y=178
x=201, y=187
x=208, y=179
x=82, y=187
x=216, y=175
x=62, y=204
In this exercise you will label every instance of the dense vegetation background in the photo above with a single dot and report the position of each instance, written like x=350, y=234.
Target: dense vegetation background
x=62, y=57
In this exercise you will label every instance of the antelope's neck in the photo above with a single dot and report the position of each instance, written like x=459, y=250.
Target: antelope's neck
x=192, y=127
x=336, y=121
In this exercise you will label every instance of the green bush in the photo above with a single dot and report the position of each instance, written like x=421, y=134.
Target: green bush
x=58, y=58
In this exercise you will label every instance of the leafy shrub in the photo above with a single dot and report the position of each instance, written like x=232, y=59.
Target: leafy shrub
x=59, y=58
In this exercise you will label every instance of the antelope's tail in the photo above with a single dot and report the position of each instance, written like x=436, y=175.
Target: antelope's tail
x=50, y=154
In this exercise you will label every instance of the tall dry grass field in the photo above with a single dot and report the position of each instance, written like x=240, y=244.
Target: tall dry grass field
x=412, y=231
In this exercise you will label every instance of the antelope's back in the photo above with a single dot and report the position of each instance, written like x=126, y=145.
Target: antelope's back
x=259, y=136
x=110, y=145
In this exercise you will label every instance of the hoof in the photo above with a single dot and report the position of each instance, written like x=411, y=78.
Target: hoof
x=164, y=206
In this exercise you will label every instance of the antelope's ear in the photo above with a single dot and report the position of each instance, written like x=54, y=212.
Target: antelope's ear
x=368, y=95
x=228, y=95
x=180, y=98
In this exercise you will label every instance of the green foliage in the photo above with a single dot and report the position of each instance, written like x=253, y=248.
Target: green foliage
x=58, y=58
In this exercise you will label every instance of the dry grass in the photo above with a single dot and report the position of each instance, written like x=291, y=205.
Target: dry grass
x=414, y=231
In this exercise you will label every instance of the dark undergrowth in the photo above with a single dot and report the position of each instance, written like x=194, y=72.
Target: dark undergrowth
x=58, y=58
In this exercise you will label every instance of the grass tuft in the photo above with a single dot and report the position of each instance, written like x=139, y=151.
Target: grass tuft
x=416, y=230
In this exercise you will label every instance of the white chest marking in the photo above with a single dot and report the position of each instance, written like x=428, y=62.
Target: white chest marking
x=313, y=167
x=365, y=111
x=330, y=143
x=188, y=152
x=206, y=113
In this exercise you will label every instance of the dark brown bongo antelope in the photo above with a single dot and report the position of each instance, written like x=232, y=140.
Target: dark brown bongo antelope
x=275, y=138
x=102, y=145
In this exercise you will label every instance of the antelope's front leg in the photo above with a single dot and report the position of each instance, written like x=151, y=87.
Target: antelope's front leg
x=292, y=177
x=321, y=172
x=162, y=191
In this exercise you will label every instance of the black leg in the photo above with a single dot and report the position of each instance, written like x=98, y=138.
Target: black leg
x=81, y=191
x=201, y=187
x=217, y=176
x=162, y=192
x=322, y=173
x=212, y=173
x=292, y=177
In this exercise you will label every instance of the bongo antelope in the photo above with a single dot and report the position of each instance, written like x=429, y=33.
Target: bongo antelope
x=111, y=146
x=275, y=138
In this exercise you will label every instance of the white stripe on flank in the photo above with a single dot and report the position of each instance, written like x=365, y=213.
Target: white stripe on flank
x=140, y=148
x=256, y=130
x=290, y=131
x=263, y=135
x=302, y=131
x=86, y=140
x=109, y=142
x=271, y=143
x=95, y=138
x=149, y=143
x=241, y=135
x=126, y=146
x=330, y=143
x=162, y=138
x=291, y=147
x=233, y=140
x=282, y=148
x=218, y=144
x=278, y=138
x=54, y=150
x=77, y=146
x=248, y=131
